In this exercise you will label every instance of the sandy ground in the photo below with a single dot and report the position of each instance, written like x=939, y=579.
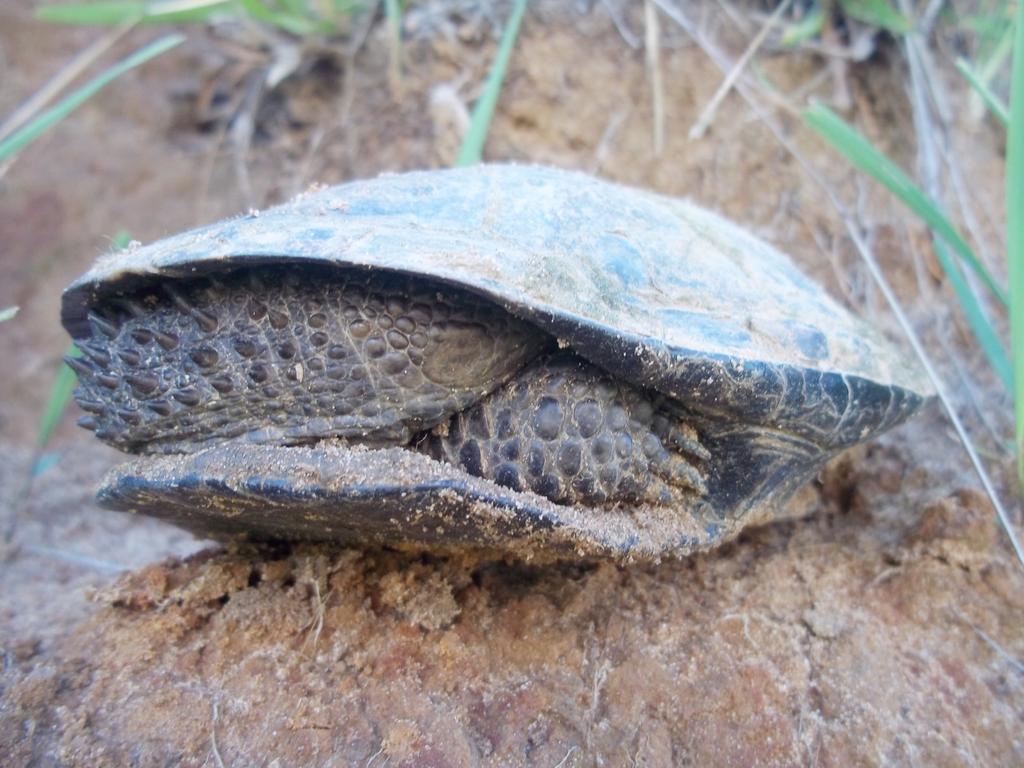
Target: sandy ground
x=882, y=627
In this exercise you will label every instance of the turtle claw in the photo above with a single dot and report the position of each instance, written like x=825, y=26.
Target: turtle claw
x=673, y=431
x=684, y=438
x=679, y=473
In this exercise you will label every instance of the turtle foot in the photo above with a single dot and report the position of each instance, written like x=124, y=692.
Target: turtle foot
x=566, y=430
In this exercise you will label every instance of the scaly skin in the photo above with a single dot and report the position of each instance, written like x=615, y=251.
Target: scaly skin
x=290, y=355
x=565, y=429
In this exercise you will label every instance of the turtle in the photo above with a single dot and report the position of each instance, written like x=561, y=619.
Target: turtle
x=502, y=357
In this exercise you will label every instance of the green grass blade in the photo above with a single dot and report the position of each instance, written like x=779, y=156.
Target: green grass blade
x=93, y=14
x=980, y=326
x=183, y=11
x=60, y=396
x=859, y=151
x=8, y=313
x=472, y=148
x=297, y=25
x=46, y=120
x=995, y=106
x=393, y=14
x=110, y=12
x=1015, y=232
x=348, y=7
x=120, y=240
x=877, y=13
x=999, y=52
x=809, y=26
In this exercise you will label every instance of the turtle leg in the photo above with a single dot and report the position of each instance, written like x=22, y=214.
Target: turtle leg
x=565, y=429
x=289, y=355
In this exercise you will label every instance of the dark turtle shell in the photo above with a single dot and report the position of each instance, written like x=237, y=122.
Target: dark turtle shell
x=654, y=290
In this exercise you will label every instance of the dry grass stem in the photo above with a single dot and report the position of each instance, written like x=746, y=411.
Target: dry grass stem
x=968, y=388
x=316, y=624
x=73, y=558
x=242, y=129
x=73, y=69
x=1012, y=660
x=628, y=36
x=375, y=755
x=565, y=760
x=707, y=115
x=213, y=738
x=603, y=152
x=652, y=46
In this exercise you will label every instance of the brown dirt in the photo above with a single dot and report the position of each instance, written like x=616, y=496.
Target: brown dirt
x=882, y=628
